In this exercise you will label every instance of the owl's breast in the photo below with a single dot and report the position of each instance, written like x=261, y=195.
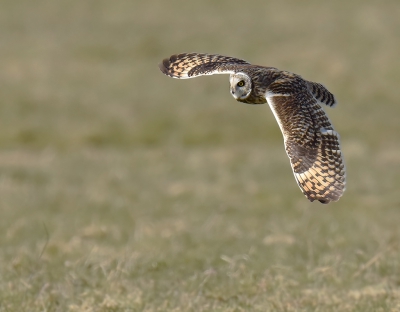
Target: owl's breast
x=254, y=98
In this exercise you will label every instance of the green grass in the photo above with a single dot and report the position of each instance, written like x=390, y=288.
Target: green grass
x=124, y=190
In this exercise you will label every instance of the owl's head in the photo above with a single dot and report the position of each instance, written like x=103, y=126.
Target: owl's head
x=240, y=86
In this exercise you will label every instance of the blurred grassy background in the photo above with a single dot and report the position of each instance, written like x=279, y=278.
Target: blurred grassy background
x=124, y=190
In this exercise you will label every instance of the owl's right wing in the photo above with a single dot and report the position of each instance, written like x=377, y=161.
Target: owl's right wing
x=310, y=142
x=190, y=65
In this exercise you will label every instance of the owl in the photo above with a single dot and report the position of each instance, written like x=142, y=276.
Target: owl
x=309, y=138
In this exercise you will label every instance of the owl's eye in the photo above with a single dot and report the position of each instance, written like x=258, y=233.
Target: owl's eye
x=240, y=83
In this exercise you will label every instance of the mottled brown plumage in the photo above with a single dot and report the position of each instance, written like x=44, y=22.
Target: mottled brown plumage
x=310, y=141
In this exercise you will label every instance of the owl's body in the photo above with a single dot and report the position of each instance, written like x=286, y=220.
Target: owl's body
x=310, y=141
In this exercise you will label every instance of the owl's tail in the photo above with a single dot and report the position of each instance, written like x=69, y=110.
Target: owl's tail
x=321, y=94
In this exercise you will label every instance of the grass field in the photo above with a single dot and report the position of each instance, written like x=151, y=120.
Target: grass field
x=124, y=190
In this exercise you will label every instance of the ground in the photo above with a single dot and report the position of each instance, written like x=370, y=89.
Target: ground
x=124, y=190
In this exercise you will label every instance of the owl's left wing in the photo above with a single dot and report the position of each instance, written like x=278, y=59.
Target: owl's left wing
x=310, y=142
x=190, y=65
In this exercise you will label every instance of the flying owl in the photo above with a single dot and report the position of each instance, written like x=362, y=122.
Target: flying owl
x=310, y=140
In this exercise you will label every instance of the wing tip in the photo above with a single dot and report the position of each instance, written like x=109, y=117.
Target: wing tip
x=325, y=198
x=333, y=196
x=164, y=66
x=167, y=66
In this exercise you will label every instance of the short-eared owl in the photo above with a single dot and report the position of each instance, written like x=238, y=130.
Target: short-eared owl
x=310, y=140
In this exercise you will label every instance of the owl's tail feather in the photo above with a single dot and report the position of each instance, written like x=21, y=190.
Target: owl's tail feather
x=321, y=94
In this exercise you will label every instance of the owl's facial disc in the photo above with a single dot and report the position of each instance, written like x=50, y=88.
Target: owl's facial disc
x=240, y=86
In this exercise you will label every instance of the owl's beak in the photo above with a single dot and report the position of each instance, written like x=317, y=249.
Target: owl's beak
x=233, y=93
